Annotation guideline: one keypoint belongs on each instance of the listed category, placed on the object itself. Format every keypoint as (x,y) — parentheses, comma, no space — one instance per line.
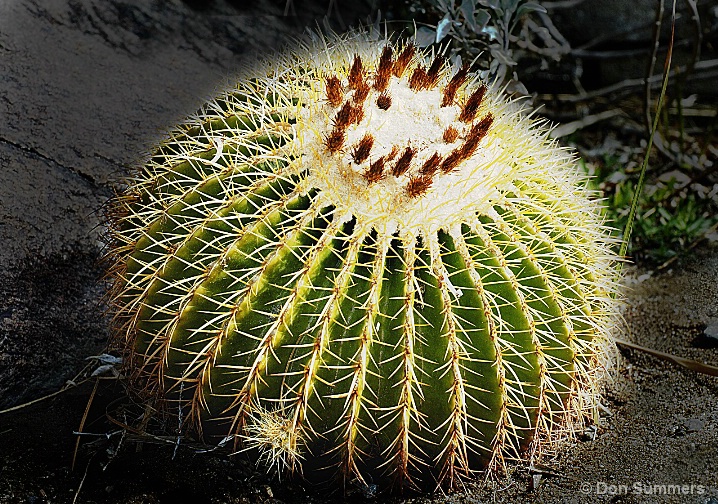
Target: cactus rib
(361,264)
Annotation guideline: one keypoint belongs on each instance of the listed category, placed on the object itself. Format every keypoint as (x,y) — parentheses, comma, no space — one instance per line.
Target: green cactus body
(360,263)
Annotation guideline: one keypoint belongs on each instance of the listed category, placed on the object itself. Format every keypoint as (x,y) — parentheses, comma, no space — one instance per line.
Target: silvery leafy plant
(499,30)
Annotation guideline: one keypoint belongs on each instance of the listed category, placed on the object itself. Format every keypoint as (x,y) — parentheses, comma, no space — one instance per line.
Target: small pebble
(712,330)
(693,424)
(535,481)
(590,433)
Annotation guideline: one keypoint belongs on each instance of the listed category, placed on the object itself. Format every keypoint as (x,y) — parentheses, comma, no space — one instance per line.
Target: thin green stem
(644,164)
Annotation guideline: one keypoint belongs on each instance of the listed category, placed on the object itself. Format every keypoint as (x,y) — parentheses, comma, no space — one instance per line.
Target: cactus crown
(383,132)
(361,263)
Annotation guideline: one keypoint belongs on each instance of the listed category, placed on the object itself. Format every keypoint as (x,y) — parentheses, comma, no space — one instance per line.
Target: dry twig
(690,364)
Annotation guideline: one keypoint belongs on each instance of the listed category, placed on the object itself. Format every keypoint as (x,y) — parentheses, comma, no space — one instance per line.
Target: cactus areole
(362,264)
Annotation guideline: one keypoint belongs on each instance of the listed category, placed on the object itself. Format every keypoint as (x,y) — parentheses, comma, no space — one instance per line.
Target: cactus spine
(361,263)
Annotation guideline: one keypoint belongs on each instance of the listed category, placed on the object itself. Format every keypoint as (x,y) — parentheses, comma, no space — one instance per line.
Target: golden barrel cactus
(361,263)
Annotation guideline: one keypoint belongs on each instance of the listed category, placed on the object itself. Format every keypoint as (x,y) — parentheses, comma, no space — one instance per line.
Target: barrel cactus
(364,263)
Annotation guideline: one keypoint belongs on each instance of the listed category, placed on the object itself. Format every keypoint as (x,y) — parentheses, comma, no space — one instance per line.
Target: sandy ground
(86,88)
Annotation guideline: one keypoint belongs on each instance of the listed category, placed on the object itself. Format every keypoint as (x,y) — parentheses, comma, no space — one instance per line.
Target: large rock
(87,87)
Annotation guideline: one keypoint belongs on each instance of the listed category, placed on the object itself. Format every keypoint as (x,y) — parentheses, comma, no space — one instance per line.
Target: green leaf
(467,11)
(530,7)
(481,19)
(442,29)
(424,36)
(509,5)
(503,56)
(494,5)
(491,31)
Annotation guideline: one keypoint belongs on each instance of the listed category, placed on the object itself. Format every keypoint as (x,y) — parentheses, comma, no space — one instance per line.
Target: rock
(589,434)
(87,87)
(535,481)
(709,337)
(712,329)
(693,424)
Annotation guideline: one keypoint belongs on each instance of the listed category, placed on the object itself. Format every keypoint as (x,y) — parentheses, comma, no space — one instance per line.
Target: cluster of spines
(351,112)
(153,222)
(526,232)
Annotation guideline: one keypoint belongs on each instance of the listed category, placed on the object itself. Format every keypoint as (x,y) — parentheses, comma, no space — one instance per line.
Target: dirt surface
(86,88)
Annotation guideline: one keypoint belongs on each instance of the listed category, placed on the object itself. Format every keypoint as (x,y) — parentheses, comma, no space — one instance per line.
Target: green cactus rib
(290,278)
